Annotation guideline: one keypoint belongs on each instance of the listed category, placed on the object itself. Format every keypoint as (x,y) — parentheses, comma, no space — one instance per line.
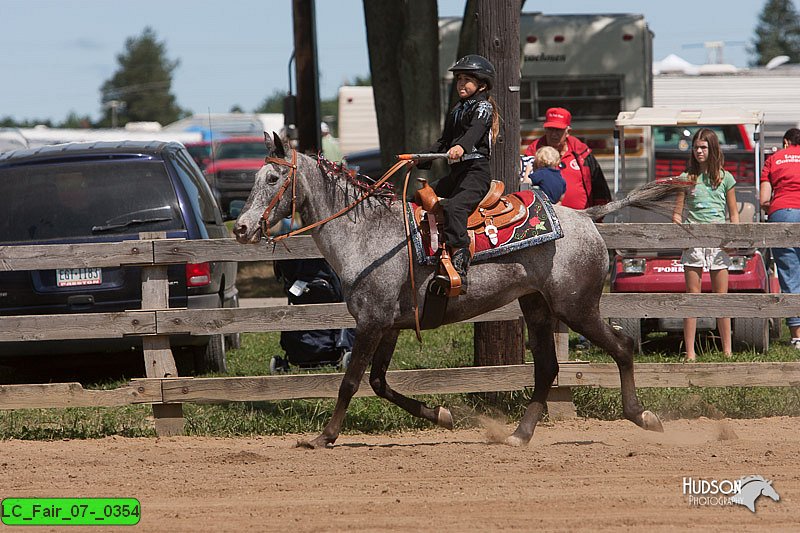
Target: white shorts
(710,258)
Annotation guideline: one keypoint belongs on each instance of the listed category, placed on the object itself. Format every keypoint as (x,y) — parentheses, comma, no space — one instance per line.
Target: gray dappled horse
(558,280)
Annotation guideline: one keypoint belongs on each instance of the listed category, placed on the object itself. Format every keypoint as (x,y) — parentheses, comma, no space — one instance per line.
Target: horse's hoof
(315,444)
(651,422)
(444,418)
(514,441)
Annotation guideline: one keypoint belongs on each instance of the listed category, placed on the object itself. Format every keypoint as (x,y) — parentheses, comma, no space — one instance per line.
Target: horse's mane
(655,196)
(353,185)
(748,479)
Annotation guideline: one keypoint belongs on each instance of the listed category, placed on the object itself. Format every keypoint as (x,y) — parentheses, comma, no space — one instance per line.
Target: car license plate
(70,277)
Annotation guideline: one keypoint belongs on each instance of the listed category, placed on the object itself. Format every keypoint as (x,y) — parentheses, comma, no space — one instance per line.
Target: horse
(752,488)
(367,247)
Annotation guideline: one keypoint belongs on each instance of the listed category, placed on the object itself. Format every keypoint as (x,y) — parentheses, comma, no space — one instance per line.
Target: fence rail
(156,322)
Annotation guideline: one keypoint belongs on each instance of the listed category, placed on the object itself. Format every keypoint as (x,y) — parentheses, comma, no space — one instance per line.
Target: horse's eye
(272,179)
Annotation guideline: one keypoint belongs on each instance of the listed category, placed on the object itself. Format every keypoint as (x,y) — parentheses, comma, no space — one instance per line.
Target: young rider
(469,132)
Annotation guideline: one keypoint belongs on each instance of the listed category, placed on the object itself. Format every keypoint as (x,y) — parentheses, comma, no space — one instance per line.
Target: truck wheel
(751,333)
(632,327)
(211,357)
(775,327)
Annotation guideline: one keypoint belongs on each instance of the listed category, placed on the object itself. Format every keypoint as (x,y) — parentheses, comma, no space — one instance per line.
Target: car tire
(632,327)
(211,357)
(751,333)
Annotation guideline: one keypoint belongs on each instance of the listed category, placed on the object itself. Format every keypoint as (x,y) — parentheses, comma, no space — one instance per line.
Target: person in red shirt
(780,198)
(586,184)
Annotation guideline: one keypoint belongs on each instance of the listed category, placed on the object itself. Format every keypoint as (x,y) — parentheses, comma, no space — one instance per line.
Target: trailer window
(586,98)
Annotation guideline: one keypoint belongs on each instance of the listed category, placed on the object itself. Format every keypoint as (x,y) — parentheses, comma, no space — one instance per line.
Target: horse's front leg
(366,341)
(377,379)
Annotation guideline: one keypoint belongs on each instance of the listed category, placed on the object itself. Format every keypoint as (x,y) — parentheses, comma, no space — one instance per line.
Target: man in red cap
(578,166)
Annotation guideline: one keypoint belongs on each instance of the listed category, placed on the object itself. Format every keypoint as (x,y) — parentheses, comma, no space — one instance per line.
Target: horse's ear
(280,151)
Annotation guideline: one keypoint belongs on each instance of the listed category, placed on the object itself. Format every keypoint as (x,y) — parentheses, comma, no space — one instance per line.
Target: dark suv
(110,192)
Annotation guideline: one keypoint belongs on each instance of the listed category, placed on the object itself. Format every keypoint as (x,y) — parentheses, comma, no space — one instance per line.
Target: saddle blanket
(541,225)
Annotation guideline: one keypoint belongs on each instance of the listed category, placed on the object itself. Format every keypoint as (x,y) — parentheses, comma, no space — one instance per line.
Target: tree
(140,88)
(74,120)
(272,103)
(497,33)
(777,33)
(403,41)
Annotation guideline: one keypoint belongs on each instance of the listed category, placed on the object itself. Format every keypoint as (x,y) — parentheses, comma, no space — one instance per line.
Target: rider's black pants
(462,190)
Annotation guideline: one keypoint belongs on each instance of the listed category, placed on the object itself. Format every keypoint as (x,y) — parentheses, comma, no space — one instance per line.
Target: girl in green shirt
(707,201)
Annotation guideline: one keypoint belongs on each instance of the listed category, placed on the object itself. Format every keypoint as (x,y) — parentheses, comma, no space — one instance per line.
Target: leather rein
(291,180)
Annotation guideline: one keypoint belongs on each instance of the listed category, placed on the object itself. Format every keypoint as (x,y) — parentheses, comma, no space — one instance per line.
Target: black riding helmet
(477,66)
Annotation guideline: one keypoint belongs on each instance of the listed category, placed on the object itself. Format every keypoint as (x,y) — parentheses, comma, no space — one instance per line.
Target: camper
(594,65)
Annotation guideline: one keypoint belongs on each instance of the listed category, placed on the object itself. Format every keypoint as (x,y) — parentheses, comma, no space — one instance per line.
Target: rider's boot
(461,259)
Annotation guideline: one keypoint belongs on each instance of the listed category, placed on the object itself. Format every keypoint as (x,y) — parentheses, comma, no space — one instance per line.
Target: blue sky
(57,53)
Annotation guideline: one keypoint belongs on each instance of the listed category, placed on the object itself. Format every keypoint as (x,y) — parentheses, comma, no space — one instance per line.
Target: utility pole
(305,53)
(501,343)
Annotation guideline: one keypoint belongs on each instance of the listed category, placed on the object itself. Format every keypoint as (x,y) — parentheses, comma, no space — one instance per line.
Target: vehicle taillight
(198,274)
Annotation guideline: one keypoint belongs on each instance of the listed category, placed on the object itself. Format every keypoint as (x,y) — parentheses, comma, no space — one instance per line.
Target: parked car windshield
(241,150)
(67,200)
(680,137)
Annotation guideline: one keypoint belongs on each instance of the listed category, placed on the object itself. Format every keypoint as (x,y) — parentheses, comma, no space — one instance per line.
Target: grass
(449,346)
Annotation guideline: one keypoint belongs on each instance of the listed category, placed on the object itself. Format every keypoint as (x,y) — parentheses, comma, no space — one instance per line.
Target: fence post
(158,360)
(559,401)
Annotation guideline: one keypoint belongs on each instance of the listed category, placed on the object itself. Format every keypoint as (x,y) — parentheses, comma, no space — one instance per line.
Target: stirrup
(447,276)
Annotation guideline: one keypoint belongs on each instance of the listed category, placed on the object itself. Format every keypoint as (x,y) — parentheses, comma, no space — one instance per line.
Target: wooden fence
(166,391)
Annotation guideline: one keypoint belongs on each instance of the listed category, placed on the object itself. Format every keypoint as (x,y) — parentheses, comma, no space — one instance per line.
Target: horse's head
(768,490)
(271,197)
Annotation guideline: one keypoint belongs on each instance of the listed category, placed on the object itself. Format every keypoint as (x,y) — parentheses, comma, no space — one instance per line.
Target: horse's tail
(645,196)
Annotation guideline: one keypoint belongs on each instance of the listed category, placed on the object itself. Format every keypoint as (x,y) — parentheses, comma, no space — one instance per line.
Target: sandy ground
(575,475)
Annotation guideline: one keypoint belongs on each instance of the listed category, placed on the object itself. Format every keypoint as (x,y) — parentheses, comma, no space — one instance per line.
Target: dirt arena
(581,474)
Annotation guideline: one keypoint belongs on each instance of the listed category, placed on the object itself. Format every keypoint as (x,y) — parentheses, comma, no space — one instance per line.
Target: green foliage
(140,88)
(777,33)
(272,103)
(74,120)
(9,122)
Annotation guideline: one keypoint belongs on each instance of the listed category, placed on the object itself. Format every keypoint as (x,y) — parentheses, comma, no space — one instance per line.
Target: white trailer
(773,91)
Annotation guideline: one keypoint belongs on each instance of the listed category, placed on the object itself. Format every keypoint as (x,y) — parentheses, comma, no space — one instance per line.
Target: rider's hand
(455,153)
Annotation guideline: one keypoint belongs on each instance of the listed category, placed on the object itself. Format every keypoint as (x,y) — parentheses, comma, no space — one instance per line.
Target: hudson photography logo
(724,492)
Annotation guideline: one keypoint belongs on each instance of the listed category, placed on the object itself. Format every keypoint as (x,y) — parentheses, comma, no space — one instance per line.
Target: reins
(405,160)
(292,178)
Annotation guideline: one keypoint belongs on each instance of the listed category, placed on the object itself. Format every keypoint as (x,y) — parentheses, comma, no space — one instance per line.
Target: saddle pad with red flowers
(541,225)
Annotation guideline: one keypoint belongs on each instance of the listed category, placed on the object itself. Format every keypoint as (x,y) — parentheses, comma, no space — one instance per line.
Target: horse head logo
(752,488)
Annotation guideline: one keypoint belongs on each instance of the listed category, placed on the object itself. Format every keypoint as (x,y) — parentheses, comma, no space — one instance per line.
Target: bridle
(291,179)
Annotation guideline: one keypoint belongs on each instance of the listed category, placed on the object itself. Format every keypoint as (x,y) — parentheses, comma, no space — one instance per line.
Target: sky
(58,53)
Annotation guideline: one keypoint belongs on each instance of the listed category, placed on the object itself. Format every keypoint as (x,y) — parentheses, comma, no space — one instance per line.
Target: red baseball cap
(557,117)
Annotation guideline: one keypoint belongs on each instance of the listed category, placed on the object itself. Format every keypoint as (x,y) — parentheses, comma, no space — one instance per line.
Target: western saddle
(495,211)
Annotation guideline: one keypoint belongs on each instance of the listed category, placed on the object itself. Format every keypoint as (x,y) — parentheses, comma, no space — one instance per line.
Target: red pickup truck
(232,169)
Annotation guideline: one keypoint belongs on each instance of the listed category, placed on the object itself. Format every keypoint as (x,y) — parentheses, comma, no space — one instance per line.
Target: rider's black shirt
(469,124)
